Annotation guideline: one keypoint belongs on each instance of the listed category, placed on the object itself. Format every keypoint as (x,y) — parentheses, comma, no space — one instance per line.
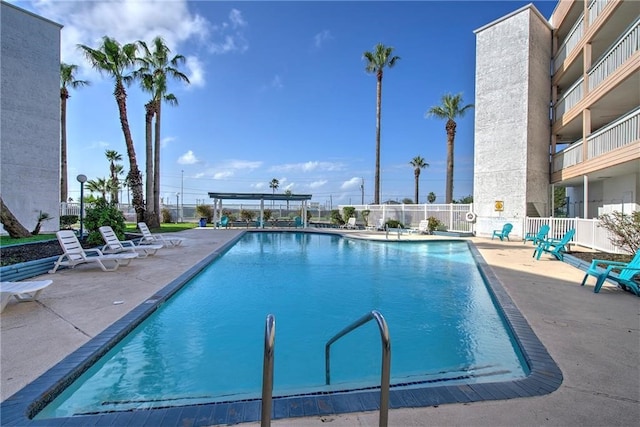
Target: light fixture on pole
(81,179)
(177,207)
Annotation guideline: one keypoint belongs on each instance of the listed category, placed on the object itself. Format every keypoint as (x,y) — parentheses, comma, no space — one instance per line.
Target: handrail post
(267,370)
(385,380)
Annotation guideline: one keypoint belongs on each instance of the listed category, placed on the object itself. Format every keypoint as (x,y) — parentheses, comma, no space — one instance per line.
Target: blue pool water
(206,343)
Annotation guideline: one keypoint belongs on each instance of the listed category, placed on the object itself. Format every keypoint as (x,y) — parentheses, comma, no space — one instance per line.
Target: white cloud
(164,142)
(230,35)
(318,184)
(223,175)
(276,82)
(321,37)
(310,166)
(188,158)
(352,183)
(97,144)
(195,71)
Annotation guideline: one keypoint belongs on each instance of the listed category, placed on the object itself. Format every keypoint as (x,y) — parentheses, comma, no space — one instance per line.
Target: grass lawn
(6,240)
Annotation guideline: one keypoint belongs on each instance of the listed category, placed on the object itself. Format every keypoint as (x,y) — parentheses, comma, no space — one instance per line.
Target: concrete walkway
(594,338)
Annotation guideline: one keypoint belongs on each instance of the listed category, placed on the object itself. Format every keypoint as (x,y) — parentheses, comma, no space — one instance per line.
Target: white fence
(589,233)
(452,216)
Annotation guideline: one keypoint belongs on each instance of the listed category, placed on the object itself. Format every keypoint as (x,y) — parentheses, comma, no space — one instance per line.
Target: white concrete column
(585,196)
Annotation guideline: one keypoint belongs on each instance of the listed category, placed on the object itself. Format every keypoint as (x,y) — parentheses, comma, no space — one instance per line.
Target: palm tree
(450,109)
(98,185)
(114,60)
(114,183)
(418,163)
(67,80)
(274,184)
(288,193)
(379,58)
(431,197)
(157,67)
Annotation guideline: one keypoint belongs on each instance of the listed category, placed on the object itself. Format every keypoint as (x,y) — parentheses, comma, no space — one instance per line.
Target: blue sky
(279,90)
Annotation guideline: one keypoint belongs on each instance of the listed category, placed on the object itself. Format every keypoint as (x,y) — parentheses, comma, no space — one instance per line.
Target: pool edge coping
(544,376)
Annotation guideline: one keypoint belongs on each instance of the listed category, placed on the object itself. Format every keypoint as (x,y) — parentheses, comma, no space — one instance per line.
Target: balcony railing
(569,99)
(595,7)
(617,134)
(572,40)
(623,49)
(572,155)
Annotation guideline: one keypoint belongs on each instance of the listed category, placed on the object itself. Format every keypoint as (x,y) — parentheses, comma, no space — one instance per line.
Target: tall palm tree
(288,193)
(450,110)
(418,163)
(157,67)
(67,80)
(431,197)
(114,183)
(273,185)
(116,61)
(380,57)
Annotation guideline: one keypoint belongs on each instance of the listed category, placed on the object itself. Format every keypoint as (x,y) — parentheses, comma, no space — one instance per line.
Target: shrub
(433,224)
(267,213)
(205,211)
(336,218)
(394,223)
(348,212)
(166,215)
(103,213)
(66,221)
(365,216)
(247,215)
(625,229)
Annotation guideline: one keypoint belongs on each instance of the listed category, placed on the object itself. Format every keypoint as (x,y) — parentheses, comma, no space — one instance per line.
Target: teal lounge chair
(224,222)
(624,278)
(539,236)
(554,247)
(504,233)
(297,222)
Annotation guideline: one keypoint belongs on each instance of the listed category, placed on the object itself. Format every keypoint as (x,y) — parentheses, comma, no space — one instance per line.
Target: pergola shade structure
(219,197)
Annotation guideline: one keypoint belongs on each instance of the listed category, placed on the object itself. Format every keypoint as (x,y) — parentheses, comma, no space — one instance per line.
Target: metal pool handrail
(267,370)
(386,359)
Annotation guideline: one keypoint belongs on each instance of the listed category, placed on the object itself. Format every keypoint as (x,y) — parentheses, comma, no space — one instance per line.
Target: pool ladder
(267,373)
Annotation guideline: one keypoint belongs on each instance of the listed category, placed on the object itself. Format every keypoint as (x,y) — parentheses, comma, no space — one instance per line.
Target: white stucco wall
(512,128)
(29,116)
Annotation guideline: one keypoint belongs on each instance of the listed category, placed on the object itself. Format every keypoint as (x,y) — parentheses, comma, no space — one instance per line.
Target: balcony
(622,50)
(595,7)
(569,99)
(572,40)
(617,134)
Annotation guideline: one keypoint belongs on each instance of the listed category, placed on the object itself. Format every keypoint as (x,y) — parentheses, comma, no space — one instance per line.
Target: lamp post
(81,179)
(177,207)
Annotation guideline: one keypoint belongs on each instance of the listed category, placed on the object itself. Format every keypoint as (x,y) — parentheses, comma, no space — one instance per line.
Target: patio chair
(114,245)
(74,254)
(539,236)
(504,233)
(423,228)
(624,277)
(22,291)
(157,239)
(554,247)
(224,222)
(350,224)
(297,222)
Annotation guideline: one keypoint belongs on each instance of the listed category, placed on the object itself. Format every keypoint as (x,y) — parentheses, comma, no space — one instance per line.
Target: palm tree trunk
(451,135)
(417,183)
(156,163)
(11,223)
(148,121)
(134,179)
(63,146)
(376,196)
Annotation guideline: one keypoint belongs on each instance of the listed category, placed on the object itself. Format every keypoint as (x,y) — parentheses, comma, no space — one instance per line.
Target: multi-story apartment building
(29,116)
(558,105)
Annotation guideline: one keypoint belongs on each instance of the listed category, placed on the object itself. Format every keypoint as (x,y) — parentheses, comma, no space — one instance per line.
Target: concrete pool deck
(594,338)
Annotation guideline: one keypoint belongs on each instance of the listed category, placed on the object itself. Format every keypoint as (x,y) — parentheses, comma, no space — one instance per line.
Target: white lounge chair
(159,239)
(116,246)
(423,228)
(351,224)
(23,291)
(74,254)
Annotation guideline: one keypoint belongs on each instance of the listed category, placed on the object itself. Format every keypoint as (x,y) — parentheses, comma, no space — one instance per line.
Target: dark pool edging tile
(544,377)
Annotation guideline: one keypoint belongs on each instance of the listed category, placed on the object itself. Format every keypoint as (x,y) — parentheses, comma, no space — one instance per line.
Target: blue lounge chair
(624,278)
(297,222)
(539,236)
(504,233)
(554,247)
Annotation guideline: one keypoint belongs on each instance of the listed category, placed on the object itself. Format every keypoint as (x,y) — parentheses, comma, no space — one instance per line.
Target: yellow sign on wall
(499,205)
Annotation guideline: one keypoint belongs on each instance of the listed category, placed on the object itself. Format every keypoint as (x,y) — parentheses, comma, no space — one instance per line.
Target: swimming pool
(231,271)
